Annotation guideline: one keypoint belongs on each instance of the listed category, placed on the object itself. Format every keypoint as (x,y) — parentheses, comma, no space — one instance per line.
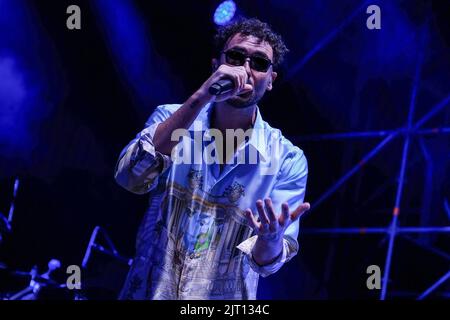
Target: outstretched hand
(271,226)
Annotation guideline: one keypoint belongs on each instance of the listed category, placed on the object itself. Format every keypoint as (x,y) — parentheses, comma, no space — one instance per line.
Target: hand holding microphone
(220,87)
(226,82)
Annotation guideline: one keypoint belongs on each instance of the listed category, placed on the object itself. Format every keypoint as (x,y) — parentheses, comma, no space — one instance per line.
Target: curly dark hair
(256,28)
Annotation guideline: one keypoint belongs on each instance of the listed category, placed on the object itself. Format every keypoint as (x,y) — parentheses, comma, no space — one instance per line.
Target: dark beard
(242,103)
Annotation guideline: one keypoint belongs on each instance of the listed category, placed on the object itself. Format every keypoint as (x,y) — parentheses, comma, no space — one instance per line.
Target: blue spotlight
(225,12)
(144,71)
(30,81)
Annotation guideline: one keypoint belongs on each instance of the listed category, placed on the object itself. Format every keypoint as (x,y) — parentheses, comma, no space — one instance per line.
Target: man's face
(260,81)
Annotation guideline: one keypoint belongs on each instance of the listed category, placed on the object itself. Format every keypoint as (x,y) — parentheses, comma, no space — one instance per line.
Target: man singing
(213,227)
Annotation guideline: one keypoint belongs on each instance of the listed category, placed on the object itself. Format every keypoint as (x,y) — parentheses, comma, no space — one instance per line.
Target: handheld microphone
(222,86)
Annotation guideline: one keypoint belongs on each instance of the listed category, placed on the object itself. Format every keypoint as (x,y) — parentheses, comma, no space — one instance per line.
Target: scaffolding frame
(410,131)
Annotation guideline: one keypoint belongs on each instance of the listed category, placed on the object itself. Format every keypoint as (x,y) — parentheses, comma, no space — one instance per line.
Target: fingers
(251,219)
(247,88)
(267,215)
(301,209)
(269,209)
(238,82)
(238,74)
(241,77)
(285,216)
(262,215)
(269,218)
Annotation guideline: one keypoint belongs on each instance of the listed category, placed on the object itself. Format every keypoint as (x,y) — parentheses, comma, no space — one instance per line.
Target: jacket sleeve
(139,164)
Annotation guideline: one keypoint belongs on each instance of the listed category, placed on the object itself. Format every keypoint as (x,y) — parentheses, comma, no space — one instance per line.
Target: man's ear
(214,64)
(271,81)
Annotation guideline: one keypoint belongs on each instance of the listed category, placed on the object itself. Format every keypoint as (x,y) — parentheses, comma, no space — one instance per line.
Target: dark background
(71,100)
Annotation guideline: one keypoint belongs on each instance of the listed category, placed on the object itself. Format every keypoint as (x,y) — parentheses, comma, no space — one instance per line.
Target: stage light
(125,31)
(225,12)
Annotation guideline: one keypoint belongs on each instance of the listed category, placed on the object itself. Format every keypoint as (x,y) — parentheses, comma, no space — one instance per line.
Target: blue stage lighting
(225,12)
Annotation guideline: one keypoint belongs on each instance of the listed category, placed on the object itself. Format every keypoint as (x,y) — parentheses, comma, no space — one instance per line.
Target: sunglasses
(238,58)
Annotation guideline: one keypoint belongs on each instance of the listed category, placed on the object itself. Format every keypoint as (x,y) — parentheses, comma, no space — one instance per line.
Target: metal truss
(408,132)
